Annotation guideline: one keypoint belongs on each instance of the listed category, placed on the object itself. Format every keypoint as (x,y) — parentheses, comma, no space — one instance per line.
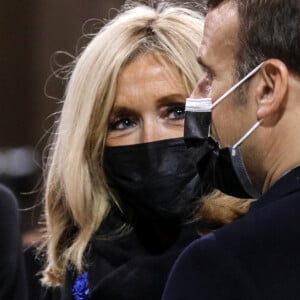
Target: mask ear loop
(250,131)
(236,85)
(246,135)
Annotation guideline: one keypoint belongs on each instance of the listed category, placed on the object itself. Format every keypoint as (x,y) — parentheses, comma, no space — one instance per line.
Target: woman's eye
(121,124)
(176,112)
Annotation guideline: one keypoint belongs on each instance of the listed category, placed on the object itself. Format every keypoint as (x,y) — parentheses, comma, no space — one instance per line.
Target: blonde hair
(77,198)
(219,209)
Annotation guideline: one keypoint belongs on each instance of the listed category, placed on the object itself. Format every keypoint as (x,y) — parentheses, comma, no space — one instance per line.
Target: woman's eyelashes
(174,111)
(122,123)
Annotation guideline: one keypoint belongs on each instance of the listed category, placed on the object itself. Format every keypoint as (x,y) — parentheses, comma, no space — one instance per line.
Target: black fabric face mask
(156,180)
(223,168)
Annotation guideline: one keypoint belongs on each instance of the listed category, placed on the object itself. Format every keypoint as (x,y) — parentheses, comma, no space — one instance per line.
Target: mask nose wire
(236,85)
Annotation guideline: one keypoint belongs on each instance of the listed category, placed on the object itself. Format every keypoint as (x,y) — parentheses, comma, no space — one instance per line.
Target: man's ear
(272,88)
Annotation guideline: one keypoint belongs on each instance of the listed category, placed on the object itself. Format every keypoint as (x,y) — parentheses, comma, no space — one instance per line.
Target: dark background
(31,32)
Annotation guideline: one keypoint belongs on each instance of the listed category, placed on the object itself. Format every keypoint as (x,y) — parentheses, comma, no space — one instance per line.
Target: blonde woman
(121,190)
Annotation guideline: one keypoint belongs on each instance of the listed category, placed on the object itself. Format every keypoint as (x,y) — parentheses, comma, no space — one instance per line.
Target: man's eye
(121,124)
(176,111)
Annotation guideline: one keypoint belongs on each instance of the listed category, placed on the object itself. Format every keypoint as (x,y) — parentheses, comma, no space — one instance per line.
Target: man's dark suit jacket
(12,278)
(256,257)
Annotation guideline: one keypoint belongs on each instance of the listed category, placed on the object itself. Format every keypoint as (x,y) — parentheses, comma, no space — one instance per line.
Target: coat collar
(287,184)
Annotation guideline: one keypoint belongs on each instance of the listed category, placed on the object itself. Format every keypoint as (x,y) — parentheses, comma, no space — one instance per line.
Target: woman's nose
(151,133)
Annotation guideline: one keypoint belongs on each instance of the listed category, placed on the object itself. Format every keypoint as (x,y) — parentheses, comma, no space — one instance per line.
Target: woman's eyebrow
(121,110)
(171,98)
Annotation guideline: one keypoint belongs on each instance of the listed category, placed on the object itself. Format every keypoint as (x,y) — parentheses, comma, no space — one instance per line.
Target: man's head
(238,36)
(267,29)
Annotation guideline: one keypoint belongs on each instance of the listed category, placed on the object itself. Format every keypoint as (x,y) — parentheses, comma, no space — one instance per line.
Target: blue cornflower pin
(81,287)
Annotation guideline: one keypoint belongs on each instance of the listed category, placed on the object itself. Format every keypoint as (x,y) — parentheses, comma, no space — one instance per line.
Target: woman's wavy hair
(77,197)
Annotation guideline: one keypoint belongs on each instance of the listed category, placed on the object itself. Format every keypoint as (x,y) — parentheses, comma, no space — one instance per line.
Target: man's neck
(289,160)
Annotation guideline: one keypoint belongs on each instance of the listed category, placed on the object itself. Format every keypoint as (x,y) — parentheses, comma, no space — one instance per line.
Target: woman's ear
(272,88)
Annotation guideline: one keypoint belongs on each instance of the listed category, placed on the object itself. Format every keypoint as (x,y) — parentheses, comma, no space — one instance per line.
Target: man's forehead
(220,29)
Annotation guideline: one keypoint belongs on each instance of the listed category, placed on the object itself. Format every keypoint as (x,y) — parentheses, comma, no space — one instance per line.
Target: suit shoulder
(208,268)
(201,252)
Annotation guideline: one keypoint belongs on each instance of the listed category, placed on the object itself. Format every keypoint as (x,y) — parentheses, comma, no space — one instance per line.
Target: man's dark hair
(268,29)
